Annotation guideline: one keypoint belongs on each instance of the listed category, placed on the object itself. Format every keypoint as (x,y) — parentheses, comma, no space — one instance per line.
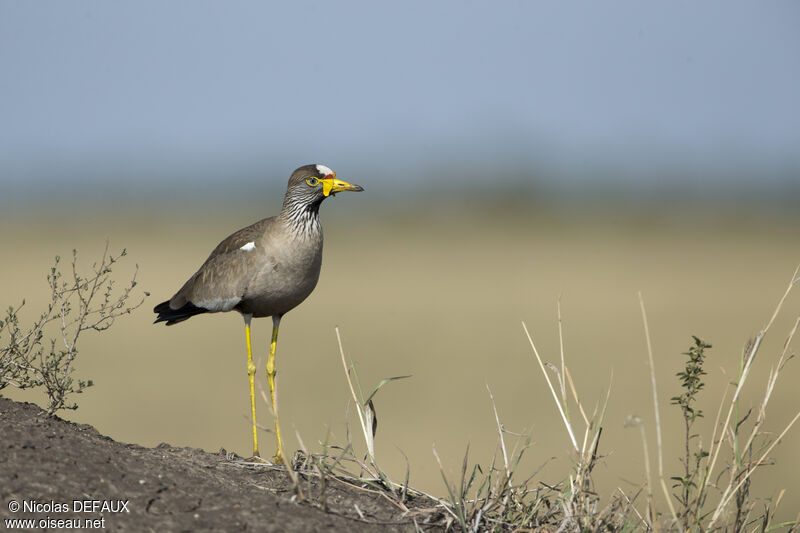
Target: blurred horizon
(531,98)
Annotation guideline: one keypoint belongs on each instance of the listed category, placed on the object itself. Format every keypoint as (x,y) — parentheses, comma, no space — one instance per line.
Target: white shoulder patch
(249,246)
(322,169)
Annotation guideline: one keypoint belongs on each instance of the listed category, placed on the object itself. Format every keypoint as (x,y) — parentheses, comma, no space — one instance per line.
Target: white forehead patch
(322,169)
(249,246)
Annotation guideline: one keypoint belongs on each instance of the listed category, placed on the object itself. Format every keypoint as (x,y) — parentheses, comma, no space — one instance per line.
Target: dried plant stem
(575,394)
(562,377)
(361,415)
(635,421)
(552,390)
(728,494)
(653,384)
(749,356)
(500,432)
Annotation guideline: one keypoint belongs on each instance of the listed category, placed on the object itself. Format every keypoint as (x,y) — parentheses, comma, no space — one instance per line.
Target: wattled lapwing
(266,269)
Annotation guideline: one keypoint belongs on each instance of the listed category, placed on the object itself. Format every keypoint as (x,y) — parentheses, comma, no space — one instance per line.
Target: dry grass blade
(657,414)
(668,498)
(635,421)
(368,420)
(456,509)
(562,380)
(653,385)
(552,390)
(575,395)
(366,428)
(500,432)
(748,359)
(724,501)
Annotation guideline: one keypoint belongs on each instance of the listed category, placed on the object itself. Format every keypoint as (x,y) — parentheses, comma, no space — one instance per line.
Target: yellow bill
(330,186)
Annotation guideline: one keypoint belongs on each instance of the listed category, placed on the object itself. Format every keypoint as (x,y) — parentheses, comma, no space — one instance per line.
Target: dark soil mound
(54,470)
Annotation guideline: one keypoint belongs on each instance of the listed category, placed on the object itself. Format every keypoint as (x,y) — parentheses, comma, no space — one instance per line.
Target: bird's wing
(222,281)
(237,240)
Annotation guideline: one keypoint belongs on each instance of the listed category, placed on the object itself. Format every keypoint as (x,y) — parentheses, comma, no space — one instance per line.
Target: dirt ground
(55,470)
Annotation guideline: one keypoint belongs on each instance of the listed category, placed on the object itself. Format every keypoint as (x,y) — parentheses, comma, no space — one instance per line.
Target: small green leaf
(381,384)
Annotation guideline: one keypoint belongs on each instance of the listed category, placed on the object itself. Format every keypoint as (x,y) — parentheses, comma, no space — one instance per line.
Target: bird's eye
(313,182)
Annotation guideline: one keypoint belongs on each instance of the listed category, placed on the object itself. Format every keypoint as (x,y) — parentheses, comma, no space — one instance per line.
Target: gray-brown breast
(264,269)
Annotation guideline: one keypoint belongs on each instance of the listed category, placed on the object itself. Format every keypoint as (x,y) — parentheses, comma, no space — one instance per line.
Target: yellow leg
(273,392)
(251,374)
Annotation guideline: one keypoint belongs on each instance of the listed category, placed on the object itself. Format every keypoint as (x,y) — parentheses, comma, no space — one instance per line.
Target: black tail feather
(173,316)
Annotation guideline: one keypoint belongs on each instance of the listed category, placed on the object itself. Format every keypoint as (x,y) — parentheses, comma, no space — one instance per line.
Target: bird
(263,270)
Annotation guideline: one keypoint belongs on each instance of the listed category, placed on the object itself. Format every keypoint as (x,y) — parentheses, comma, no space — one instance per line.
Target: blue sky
(142,93)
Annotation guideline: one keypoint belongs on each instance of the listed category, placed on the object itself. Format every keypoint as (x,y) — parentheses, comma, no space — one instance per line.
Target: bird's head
(314,183)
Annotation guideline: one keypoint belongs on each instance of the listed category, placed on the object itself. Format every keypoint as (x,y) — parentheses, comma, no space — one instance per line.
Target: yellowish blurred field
(440,297)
